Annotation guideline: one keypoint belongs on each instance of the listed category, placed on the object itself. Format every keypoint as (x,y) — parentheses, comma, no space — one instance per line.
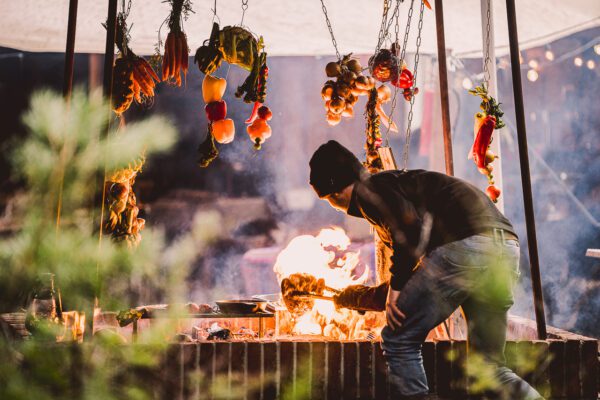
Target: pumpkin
(259,131)
(223,130)
(213,88)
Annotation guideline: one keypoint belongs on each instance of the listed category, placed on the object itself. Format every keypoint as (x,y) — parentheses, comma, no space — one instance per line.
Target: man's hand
(392,313)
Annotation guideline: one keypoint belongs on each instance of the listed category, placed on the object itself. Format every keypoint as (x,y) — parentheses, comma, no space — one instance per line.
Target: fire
(326,256)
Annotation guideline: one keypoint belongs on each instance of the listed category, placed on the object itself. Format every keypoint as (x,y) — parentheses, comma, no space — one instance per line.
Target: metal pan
(245,306)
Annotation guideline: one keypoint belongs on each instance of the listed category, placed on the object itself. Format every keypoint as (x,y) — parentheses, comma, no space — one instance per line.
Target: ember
(325,258)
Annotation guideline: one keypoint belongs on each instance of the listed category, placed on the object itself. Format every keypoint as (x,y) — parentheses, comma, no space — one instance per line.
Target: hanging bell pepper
(484,125)
(223,130)
(213,88)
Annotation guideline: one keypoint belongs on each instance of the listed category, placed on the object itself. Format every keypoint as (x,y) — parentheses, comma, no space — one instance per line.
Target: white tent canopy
(292,27)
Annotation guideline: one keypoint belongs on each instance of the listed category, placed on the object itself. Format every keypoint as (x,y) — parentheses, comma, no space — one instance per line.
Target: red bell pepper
(482,141)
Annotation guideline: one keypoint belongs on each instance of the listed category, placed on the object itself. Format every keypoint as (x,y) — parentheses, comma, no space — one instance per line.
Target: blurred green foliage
(64,157)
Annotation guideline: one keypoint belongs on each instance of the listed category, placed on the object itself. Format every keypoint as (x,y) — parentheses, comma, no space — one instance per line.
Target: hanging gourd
(238,46)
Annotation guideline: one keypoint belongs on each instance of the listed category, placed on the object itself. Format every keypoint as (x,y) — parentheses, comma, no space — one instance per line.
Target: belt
(500,235)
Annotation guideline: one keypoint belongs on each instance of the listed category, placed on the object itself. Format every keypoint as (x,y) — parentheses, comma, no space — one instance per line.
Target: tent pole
(109,52)
(538,298)
(444,97)
(70,50)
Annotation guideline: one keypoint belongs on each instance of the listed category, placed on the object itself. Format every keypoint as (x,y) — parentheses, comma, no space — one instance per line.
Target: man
(451,247)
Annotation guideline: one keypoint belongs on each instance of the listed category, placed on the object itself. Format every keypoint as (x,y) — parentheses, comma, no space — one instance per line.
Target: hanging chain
(337,52)
(486,61)
(401,61)
(244,8)
(214,10)
(126,9)
(383,30)
(393,18)
(412,99)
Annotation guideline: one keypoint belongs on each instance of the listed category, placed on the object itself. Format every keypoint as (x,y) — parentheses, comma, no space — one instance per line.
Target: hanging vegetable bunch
(175,59)
(122,221)
(341,95)
(237,46)
(373,133)
(386,66)
(133,77)
(488,119)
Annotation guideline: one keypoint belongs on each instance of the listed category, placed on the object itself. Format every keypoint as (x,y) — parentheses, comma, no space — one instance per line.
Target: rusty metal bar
(70,49)
(536,280)
(444,97)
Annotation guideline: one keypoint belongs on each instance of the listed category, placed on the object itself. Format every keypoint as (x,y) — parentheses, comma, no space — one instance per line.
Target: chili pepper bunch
(486,121)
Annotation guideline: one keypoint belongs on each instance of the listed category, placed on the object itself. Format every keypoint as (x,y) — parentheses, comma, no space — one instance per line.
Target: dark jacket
(416,211)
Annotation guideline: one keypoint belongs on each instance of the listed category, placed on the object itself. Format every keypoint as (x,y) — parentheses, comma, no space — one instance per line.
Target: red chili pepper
(482,141)
(254,113)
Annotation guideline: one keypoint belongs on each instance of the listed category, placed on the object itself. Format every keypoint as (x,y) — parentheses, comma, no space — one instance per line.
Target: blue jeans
(477,273)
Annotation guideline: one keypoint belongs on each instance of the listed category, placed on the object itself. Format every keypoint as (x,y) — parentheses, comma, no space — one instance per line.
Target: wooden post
(538,298)
(443,72)
(70,50)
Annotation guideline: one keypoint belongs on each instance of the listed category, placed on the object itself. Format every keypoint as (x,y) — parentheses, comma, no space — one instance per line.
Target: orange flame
(326,257)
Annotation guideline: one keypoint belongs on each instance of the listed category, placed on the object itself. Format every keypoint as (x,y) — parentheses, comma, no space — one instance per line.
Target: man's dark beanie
(332,168)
